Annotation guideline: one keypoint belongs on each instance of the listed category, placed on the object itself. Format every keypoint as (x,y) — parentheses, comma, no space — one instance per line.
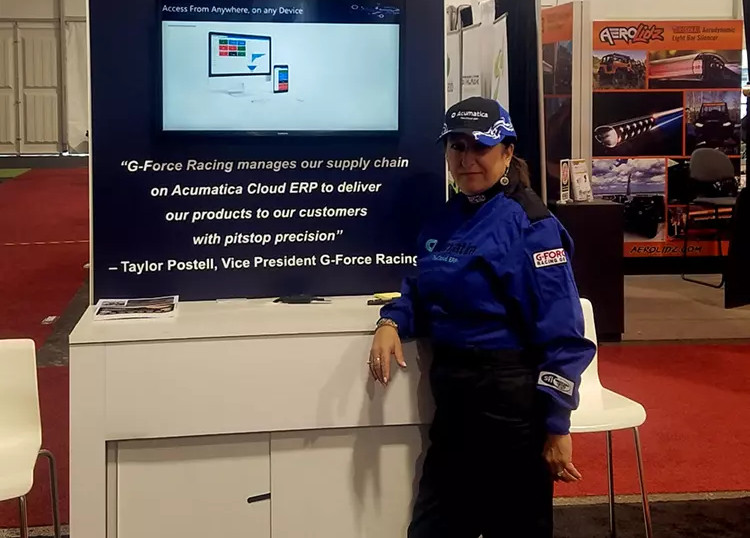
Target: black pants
(484,473)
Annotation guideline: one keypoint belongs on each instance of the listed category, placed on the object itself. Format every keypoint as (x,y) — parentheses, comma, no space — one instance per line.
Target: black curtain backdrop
(523,60)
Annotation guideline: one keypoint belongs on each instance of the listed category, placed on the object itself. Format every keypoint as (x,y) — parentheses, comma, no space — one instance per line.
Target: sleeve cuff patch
(554,381)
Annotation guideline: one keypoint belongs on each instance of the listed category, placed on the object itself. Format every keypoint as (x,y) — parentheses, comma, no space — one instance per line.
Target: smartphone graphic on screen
(280,78)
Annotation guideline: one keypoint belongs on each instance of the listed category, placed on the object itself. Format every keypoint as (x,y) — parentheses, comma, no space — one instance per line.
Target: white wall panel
(8,109)
(75,8)
(662,9)
(38,58)
(28,9)
(40,119)
(40,108)
(77,87)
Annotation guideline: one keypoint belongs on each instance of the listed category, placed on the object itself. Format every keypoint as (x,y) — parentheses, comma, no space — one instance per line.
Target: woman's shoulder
(526,206)
(519,212)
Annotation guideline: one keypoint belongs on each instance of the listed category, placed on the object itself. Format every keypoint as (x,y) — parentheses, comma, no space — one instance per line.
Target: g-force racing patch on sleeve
(548,258)
(557,382)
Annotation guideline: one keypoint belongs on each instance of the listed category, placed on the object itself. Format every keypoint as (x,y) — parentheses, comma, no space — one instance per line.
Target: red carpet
(696,437)
(45,205)
(43,248)
(36,282)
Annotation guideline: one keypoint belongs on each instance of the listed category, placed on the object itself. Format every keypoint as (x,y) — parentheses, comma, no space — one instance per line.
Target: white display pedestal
(242,418)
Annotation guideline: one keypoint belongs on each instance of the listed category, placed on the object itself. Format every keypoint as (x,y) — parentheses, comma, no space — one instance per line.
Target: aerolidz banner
(661,91)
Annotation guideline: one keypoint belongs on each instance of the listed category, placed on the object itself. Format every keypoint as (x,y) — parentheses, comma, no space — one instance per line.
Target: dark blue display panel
(230,204)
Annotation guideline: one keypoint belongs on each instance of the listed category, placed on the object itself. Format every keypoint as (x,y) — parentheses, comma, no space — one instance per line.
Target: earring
(505,180)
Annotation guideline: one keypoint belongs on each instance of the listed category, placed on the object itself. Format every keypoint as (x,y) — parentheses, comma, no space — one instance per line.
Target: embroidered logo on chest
(550,257)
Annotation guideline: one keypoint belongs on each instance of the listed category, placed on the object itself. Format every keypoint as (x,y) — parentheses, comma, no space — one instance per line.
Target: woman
(495,294)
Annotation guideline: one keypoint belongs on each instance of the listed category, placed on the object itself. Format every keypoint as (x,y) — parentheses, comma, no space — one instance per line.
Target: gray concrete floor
(54,352)
(722,518)
(665,307)
(726,518)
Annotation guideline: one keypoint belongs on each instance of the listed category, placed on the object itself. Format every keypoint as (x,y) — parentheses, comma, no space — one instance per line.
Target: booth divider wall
(43,68)
(649,10)
(300,165)
(598,257)
(563,40)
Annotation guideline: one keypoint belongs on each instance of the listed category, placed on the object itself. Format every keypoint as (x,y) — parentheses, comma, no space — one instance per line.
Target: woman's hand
(558,452)
(385,343)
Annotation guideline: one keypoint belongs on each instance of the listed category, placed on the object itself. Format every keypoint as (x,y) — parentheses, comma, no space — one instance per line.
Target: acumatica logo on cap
(463,114)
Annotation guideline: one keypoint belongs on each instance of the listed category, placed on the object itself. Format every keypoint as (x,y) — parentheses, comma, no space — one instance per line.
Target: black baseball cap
(483,119)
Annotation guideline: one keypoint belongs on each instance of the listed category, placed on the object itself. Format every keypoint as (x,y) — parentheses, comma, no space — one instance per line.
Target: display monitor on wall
(305,67)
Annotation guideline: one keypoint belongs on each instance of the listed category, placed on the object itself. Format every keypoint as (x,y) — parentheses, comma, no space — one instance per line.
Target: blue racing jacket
(494,272)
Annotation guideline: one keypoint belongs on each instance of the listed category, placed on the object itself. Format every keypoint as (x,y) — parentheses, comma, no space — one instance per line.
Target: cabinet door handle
(258,498)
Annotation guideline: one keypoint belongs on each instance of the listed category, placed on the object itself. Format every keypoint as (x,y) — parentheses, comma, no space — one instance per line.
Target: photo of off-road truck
(713,121)
(713,125)
(620,71)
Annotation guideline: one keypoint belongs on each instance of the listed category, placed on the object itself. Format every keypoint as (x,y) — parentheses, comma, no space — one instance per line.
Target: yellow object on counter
(388,296)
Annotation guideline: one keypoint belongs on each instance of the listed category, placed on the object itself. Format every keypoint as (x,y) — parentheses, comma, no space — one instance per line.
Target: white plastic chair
(21,429)
(601,410)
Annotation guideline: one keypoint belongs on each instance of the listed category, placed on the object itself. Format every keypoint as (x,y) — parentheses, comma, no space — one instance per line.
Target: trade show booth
(259,178)
(257,174)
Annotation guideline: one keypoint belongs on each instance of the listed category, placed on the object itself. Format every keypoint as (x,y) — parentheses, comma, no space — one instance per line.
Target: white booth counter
(242,418)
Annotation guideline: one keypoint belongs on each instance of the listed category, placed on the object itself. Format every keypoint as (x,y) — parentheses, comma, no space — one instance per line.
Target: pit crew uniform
(495,294)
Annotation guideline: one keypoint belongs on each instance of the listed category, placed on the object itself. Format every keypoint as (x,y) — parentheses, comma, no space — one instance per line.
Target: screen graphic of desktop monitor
(332,69)
(234,55)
